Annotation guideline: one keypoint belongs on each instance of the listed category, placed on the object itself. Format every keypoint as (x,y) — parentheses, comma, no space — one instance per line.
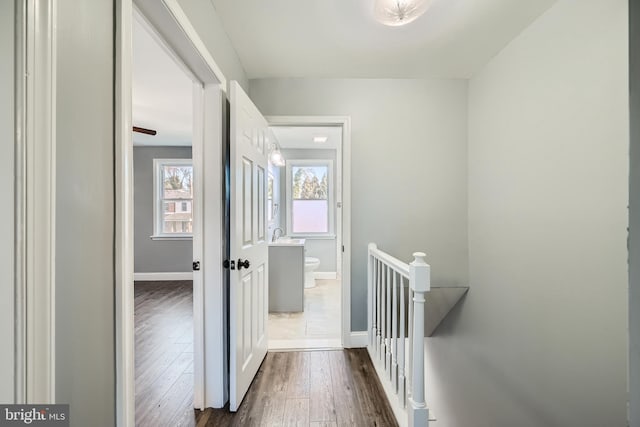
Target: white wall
(541,338)
(85,327)
(205,19)
(6,213)
(408,180)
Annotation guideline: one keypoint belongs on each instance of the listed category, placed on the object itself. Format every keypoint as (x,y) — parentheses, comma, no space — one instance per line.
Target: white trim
(124,277)
(20,371)
(35,201)
(331,210)
(358,339)
(162,276)
(197,207)
(173,236)
(343,225)
(325,275)
(172,25)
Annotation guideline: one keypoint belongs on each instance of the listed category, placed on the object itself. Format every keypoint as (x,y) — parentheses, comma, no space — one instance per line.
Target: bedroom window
(309,197)
(173,198)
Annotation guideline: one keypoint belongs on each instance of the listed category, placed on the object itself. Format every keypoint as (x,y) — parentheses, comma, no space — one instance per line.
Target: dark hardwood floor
(164,353)
(314,388)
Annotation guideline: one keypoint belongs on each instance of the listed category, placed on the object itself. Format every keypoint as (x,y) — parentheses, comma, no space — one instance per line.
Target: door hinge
(196,265)
(342,248)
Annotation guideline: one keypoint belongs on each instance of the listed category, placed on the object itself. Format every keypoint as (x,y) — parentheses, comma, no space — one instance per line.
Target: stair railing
(396,297)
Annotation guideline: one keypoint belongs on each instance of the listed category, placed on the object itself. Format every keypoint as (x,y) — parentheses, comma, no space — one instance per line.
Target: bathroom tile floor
(318,326)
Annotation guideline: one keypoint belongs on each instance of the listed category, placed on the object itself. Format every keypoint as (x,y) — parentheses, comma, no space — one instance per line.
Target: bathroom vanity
(286,275)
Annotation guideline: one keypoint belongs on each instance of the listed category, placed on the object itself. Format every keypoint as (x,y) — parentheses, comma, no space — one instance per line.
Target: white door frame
(174,28)
(343,226)
(35,145)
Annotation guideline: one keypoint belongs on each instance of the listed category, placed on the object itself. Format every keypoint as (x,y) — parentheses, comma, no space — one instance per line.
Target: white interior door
(249,290)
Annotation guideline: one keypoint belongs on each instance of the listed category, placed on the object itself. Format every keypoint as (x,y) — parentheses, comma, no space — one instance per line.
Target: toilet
(311,264)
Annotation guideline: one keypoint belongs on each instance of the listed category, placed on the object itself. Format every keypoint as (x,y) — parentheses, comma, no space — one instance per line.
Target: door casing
(173,27)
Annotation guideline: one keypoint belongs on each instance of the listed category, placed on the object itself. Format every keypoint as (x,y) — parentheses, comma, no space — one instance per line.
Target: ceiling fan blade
(145,131)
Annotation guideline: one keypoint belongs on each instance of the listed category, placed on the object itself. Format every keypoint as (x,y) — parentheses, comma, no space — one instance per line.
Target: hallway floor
(313,388)
(310,389)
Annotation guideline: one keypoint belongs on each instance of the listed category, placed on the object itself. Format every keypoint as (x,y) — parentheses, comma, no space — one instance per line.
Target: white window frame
(158,164)
(330,203)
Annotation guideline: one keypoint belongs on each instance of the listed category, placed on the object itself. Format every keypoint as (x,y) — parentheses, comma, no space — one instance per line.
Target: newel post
(420,283)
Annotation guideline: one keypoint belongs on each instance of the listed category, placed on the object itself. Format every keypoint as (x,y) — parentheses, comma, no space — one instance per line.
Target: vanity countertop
(287,241)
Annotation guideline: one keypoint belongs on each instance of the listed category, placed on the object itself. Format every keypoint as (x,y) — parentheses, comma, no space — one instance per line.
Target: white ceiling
(162,93)
(302,136)
(340,39)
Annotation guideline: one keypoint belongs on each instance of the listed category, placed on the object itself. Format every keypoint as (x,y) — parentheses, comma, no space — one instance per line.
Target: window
(173,198)
(309,197)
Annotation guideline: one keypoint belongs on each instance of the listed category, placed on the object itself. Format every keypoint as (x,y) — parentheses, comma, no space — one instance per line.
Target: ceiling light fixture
(399,12)
(320,139)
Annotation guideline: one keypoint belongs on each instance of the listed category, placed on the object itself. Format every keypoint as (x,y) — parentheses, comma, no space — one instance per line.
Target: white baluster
(420,282)
(371,295)
(394,334)
(389,315)
(410,342)
(383,313)
(401,360)
(378,308)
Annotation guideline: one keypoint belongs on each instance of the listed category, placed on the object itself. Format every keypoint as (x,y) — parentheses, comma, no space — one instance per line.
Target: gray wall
(541,339)
(85,368)
(6,213)
(155,256)
(205,19)
(634,216)
(418,127)
(323,249)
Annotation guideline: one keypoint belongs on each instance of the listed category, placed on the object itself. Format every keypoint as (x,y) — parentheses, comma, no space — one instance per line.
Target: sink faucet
(273,238)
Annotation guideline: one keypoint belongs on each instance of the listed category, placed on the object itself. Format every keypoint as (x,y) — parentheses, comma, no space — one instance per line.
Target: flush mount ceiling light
(320,139)
(399,12)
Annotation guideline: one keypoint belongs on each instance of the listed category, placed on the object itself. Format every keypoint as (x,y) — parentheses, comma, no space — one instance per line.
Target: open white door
(249,290)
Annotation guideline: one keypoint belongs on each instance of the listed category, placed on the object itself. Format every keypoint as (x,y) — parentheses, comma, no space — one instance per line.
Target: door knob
(243,264)
(231,265)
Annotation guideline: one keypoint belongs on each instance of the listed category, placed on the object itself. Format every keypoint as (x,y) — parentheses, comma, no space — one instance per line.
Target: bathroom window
(309,197)
(173,198)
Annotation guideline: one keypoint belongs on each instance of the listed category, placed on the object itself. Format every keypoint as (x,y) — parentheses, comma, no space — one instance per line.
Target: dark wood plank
(368,390)
(298,375)
(321,405)
(348,411)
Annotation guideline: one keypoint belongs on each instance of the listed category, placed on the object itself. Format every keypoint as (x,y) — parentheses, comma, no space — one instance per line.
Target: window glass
(175,198)
(310,199)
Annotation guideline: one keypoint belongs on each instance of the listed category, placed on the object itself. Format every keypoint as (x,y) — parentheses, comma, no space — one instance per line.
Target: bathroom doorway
(306,216)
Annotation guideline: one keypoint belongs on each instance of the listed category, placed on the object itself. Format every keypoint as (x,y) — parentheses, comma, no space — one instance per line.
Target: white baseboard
(358,339)
(325,275)
(157,277)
